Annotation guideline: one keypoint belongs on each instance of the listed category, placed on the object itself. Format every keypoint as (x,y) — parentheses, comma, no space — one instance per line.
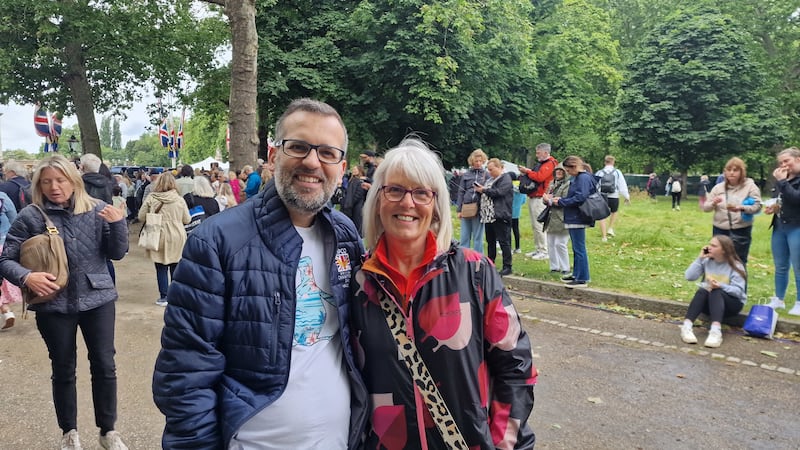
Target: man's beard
(297,200)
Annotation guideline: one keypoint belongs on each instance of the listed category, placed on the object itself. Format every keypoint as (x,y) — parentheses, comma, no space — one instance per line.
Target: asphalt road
(606,380)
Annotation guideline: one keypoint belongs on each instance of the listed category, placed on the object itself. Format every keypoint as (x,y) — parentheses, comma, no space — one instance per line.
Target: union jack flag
(40,122)
(179,141)
(163,132)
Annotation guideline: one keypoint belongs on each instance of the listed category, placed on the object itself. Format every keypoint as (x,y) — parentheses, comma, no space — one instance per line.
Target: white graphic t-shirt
(314,410)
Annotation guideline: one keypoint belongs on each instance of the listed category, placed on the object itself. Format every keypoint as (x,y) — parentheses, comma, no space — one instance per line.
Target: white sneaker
(540,256)
(611,232)
(714,338)
(516,250)
(776,303)
(531,254)
(71,441)
(687,335)
(162,302)
(112,441)
(795,311)
(604,239)
(8,320)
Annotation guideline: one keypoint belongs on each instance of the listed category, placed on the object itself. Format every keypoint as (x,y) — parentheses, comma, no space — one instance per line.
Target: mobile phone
(475,183)
(705,250)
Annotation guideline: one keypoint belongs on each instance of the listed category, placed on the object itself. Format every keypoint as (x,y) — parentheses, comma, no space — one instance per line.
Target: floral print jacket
(468,333)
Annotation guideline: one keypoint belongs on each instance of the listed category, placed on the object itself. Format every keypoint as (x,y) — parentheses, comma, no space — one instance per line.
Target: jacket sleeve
(754,192)
(622,185)
(510,364)
(501,188)
(584,186)
(21,229)
(189,366)
(695,270)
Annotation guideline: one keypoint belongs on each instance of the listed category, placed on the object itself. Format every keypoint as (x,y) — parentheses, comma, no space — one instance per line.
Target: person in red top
(451,303)
(542,175)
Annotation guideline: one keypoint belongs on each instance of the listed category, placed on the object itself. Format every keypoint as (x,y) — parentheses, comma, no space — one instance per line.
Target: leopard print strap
(422,378)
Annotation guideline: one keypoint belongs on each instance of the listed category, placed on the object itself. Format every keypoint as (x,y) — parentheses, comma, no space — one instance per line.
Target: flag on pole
(163,133)
(40,122)
(179,141)
(55,131)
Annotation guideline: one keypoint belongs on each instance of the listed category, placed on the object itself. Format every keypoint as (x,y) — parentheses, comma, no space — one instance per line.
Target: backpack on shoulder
(24,193)
(608,182)
(676,186)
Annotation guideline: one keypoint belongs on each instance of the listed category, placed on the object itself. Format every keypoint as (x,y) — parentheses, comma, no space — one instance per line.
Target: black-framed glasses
(327,154)
(420,196)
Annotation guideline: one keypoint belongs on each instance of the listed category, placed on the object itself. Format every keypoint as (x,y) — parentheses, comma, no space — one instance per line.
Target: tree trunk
(81,92)
(244,70)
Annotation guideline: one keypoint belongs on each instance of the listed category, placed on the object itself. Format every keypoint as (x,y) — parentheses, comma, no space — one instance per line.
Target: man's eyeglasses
(420,196)
(300,149)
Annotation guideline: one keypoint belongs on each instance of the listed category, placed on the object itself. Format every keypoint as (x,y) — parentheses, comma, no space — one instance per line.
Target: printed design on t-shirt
(314,307)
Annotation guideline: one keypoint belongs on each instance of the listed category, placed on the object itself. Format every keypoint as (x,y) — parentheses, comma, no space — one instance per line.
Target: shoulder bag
(44,253)
(422,378)
(595,206)
(150,236)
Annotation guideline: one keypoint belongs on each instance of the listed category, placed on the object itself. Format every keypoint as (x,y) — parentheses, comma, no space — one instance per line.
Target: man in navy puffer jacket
(255,347)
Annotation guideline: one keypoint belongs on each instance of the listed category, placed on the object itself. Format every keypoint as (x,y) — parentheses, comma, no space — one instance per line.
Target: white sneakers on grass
(776,303)
(795,311)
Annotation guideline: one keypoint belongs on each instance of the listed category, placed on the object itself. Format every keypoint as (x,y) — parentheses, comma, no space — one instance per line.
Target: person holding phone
(720,294)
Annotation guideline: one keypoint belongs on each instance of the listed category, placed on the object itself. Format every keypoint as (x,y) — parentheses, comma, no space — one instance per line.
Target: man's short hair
(544,147)
(369,153)
(310,106)
(90,163)
(17,168)
(610,160)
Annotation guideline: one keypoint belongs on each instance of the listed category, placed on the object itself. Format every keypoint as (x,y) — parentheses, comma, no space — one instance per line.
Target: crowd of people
(404,334)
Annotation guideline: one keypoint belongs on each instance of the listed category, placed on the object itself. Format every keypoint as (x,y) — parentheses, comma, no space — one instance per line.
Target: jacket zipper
(276,320)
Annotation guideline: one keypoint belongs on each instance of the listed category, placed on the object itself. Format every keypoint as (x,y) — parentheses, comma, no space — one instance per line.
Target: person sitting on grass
(722,291)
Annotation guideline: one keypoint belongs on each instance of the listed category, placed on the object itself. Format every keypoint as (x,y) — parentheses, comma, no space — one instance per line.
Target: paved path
(607,380)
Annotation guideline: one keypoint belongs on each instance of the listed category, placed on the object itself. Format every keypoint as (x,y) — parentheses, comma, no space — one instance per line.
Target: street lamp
(72,141)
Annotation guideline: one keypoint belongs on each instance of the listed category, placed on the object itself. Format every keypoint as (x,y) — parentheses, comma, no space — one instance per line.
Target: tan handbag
(150,236)
(44,253)
(469,210)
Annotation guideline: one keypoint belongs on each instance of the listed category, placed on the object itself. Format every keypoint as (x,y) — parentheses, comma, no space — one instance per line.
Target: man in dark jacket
(97,184)
(16,175)
(262,289)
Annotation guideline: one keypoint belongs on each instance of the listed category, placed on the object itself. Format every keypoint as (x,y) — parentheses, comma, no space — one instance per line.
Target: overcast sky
(17,132)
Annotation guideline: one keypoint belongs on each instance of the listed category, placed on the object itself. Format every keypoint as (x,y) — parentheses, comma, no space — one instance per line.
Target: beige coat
(174,214)
(734,195)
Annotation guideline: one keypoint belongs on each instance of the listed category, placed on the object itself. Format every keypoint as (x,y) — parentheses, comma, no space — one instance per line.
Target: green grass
(653,247)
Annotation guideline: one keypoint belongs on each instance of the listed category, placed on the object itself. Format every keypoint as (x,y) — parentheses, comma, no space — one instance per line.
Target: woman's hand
(781,173)
(713,284)
(41,283)
(111,214)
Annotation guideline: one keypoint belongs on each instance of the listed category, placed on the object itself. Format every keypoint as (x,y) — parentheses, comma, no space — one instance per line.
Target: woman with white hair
(201,202)
(418,286)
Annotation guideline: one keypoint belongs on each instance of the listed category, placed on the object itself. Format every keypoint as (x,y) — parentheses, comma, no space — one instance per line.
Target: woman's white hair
(413,159)
(202,187)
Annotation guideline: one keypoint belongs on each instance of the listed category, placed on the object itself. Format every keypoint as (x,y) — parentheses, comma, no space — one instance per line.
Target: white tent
(206,164)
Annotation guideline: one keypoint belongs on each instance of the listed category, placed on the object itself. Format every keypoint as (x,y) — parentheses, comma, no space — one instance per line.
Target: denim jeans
(472,230)
(59,332)
(785,253)
(580,259)
(163,278)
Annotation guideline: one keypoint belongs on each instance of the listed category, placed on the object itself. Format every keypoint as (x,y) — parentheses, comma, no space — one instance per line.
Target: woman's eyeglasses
(420,196)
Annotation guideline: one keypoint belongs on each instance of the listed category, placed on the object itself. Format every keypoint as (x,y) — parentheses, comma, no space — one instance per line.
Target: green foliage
(116,137)
(578,80)
(105,131)
(693,94)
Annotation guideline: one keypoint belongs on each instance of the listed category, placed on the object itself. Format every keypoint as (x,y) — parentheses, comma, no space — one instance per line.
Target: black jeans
(499,230)
(59,332)
(515,231)
(716,303)
(741,238)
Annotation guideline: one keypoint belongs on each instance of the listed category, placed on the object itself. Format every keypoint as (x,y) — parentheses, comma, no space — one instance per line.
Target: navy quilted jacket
(227,338)
(89,241)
